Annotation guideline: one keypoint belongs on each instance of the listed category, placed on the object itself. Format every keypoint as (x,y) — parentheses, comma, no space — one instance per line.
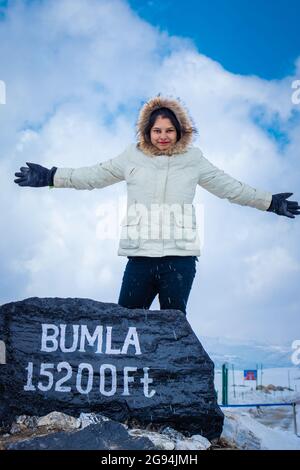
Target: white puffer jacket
(161,186)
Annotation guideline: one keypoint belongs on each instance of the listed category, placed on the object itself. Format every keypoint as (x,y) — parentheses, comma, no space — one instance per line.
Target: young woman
(159,233)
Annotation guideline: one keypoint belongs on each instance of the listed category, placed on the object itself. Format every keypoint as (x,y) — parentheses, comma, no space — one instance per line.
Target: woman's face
(163,134)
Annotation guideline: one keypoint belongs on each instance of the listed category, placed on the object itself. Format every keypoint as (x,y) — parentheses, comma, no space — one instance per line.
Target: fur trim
(180,111)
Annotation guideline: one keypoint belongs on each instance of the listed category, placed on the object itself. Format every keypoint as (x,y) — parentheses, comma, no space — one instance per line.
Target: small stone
(172,433)
(160,441)
(86,419)
(27,422)
(59,421)
(195,442)
(16,429)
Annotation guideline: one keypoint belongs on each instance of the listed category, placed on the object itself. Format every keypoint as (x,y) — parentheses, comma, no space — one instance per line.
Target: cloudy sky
(76,74)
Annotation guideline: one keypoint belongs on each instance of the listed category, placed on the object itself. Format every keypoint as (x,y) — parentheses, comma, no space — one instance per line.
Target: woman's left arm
(225,186)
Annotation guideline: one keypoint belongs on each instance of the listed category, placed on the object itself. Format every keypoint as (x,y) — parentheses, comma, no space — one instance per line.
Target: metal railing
(258,405)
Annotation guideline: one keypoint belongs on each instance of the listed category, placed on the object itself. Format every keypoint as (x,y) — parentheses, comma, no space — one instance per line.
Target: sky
(248,37)
(76,74)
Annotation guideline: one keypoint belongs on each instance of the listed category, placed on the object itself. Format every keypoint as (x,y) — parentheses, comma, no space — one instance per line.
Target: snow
(271,427)
(270,439)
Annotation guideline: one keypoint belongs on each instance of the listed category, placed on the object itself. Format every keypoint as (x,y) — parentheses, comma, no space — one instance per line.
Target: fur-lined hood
(188,129)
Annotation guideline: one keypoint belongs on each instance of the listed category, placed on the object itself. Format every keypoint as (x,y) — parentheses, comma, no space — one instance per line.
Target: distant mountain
(246,354)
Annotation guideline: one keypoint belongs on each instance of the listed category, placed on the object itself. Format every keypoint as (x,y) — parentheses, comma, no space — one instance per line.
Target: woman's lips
(164,143)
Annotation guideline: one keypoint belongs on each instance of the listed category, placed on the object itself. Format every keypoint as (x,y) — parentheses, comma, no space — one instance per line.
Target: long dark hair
(165,113)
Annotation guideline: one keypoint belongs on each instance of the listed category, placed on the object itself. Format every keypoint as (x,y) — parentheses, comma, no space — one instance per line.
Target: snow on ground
(273,426)
(247,433)
(282,376)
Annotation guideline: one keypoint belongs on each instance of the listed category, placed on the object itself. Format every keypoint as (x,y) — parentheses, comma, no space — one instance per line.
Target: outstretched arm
(223,185)
(219,183)
(89,177)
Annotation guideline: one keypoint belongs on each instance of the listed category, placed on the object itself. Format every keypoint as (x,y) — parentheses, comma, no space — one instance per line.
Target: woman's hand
(280,206)
(35,176)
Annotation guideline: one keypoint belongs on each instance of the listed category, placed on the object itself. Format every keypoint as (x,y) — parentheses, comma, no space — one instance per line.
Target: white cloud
(75,83)
(269,270)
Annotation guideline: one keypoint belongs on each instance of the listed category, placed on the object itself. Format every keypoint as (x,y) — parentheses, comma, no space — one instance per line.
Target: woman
(159,233)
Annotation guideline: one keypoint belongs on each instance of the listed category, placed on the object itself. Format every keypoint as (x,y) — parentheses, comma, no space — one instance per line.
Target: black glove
(280,206)
(35,176)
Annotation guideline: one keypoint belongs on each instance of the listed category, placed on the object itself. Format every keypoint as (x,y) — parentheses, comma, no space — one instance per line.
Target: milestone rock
(76,355)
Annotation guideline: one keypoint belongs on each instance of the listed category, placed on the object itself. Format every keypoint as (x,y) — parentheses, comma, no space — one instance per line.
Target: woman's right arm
(89,177)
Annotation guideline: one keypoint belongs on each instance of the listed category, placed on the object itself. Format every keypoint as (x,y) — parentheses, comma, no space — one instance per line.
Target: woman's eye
(157,131)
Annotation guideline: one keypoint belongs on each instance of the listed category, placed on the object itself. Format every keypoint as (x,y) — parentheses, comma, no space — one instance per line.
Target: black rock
(102,436)
(72,355)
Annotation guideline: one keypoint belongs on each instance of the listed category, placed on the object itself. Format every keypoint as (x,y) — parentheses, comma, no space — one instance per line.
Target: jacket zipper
(164,197)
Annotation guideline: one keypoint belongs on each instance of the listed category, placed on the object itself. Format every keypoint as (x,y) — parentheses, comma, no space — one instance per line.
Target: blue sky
(259,37)
(75,83)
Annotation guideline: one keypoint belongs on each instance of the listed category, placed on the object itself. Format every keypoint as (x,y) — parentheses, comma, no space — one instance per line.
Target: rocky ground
(92,431)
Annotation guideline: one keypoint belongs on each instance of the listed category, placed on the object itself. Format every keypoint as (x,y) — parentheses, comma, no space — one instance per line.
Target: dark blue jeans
(171,277)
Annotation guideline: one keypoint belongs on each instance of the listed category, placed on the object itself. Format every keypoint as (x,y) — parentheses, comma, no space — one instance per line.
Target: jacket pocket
(130,233)
(185,234)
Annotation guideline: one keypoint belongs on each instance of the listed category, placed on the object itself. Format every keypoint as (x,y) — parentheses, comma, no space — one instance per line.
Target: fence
(258,405)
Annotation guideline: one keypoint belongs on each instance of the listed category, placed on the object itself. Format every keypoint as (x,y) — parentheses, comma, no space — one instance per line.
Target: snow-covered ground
(274,426)
(281,376)
(241,429)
